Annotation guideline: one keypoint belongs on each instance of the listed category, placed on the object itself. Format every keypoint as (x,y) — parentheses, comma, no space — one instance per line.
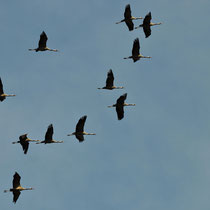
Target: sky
(157,157)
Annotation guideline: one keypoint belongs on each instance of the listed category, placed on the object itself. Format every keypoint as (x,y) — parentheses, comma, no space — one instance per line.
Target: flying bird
(24,141)
(135,52)
(147,25)
(43,44)
(128,18)
(2,94)
(17,188)
(49,136)
(79,132)
(110,82)
(120,106)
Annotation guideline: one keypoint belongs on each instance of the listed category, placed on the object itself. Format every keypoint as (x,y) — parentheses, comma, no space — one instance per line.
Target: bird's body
(17,188)
(147,25)
(110,82)
(120,106)
(2,94)
(43,44)
(24,141)
(49,136)
(136,52)
(128,18)
(79,132)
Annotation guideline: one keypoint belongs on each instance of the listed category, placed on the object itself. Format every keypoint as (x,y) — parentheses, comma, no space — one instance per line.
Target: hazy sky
(157,157)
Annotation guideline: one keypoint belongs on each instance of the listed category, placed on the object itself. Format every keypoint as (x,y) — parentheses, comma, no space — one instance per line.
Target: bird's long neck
(15,142)
(154,24)
(6,191)
(71,134)
(114,105)
(139,26)
(32,49)
(40,142)
(120,21)
(129,104)
(128,57)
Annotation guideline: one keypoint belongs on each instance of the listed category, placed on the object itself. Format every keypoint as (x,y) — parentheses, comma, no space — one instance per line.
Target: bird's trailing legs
(132,18)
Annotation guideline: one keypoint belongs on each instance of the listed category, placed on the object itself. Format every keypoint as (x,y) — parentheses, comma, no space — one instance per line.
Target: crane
(110,82)
(147,25)
(135,52)
(79,131)
(120,106)
(43,44)
(24,141)
(49,136)
(17,188)
(2,94)
(128,18)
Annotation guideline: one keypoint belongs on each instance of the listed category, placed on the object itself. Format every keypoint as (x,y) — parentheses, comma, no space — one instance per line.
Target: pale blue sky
(157,157)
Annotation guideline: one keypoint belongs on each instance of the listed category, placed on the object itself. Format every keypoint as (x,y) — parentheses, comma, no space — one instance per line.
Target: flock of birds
(79,131)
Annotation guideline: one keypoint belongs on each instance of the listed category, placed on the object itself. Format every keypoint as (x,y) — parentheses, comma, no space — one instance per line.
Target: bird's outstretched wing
(16,180)
(122,99)
(80,124)
(80,137)
(1,87)
(136,47)
(49,133)
(23,137)
(25,146)
(146,25)
(147,30)
(16,195)
(127,13)
(147,19)
(24,143)
(120,111)
(43,40)
(130,24)
(110,79)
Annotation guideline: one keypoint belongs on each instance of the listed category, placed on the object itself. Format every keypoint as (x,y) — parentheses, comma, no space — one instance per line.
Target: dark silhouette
(2,94)
(79,132)
(49,136)
(17,188)
(110,82)
(24,141)
(135,52)
(128,18)
(43,44)
(147,25)
(120,106)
